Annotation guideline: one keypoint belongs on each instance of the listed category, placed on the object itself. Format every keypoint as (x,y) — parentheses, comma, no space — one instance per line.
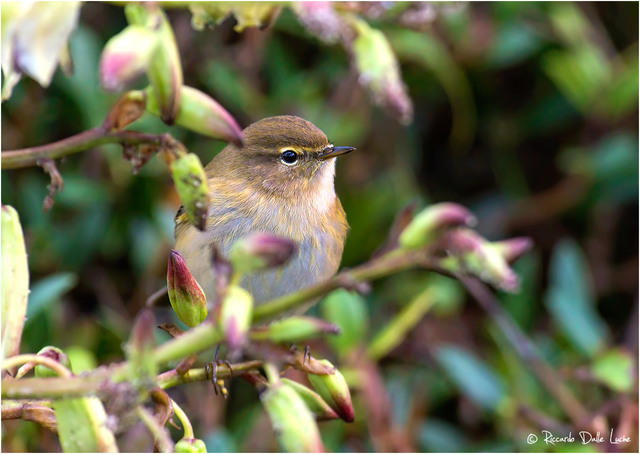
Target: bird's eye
(289,157)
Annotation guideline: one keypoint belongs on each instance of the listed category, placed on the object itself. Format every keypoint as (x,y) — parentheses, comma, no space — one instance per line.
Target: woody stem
(26,157)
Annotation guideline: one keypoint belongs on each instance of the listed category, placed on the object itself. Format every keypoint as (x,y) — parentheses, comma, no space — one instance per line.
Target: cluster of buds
(148,46)
(443,226)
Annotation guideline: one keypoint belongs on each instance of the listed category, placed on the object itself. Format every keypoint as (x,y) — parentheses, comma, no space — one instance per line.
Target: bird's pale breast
(320,237)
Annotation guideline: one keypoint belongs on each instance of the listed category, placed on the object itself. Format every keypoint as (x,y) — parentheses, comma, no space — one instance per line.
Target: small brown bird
(280,181)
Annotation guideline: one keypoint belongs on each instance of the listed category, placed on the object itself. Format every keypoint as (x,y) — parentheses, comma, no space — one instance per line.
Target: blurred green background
(527,113)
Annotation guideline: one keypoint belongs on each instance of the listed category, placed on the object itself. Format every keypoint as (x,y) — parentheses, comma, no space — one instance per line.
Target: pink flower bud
(431,222)
(260,250)
(235,316)
(334,390)
(126,56)
(471,253)
(513,248)
(185,294)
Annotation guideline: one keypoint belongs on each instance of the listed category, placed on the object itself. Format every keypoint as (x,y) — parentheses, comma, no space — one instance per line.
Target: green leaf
(49,290)
(348,311)
(441,436)
(473,377)
(15,281)
(515,42)
(570,299)
(614,369)
(82,426)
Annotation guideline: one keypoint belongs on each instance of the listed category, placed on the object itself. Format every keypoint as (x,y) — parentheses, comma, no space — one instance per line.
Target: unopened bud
(260,250)
(295,329)
(513,248)
(199,112)
(379,70)
(291,419)
(334,390)
(431,222)
(471,253)
(55,354)
(190,445)
(185,294)
(319,408)
(126,56)
(164,70)
(235,316)
(191,185)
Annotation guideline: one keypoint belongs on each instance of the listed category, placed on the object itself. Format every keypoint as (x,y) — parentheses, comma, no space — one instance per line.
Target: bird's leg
(307,352)
(211,370)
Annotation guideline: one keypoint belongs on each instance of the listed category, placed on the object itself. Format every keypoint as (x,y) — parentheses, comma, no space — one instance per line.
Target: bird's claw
(211,369)
(307,353)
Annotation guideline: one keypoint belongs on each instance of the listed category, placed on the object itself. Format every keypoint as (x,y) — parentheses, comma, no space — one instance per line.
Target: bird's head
(285,153)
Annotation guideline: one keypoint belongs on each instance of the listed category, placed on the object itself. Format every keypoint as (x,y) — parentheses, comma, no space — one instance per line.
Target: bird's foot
(211,369)
(307,352)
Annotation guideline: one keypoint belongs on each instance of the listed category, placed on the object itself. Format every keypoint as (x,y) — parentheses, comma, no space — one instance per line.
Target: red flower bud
(185,294)
(334,390)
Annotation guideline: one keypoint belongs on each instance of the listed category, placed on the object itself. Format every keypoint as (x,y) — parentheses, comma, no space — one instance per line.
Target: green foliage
(526,113)
(570,299)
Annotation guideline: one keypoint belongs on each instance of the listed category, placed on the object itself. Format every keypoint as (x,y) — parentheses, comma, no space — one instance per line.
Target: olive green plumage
(280,181)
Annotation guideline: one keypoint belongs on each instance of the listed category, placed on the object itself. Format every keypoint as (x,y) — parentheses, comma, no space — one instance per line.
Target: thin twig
(384,265)
(529,354)
(52,364)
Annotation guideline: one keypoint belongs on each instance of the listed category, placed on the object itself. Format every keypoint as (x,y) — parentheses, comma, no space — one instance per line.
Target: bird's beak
(334,152)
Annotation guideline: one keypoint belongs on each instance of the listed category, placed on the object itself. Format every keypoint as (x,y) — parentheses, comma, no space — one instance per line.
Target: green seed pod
(185,294)
(430,223)
(295,329)
(334,390)
(320,409)
(235,316)
(57,355)
(190,445)
(201,113)
(291,419)
(191,185)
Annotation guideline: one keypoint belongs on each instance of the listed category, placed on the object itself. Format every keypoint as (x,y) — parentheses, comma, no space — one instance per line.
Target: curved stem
(26,157)
(52,364)
(184,420)
(160,435)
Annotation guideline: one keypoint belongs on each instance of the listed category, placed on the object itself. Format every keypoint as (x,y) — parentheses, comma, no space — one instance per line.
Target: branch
(30,411)
(389,263)
(26,157)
